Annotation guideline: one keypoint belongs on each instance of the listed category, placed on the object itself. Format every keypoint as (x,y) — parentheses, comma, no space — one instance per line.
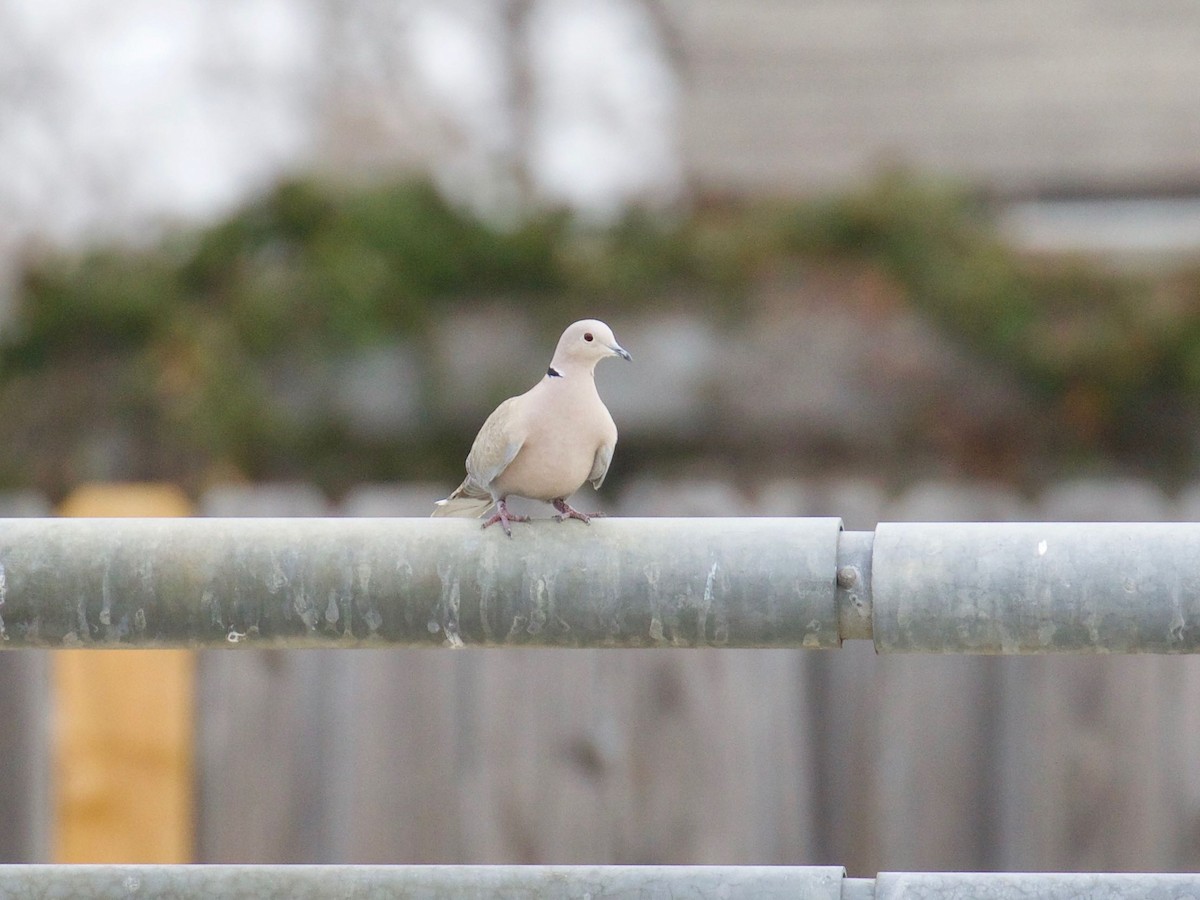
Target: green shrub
(185,331)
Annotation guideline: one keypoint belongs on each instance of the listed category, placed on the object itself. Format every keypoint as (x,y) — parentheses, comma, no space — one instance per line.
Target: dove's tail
(466,502)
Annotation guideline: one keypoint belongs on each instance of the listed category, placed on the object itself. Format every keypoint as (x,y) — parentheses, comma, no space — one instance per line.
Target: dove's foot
(503,516)
(566,512)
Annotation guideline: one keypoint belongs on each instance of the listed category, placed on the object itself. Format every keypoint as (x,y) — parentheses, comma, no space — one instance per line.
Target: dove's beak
(621,352)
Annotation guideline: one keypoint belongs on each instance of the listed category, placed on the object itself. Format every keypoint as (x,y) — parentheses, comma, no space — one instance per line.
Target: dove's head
(585,343)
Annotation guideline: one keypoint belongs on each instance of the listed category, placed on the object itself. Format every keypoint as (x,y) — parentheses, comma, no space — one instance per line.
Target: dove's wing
(496,446)
(498,442)
(604,455)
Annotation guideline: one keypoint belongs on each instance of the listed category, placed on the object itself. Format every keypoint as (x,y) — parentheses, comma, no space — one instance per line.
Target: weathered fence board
(24,757)
(574,756)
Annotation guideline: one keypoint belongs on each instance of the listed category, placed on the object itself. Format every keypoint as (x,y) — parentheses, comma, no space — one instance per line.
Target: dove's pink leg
(566,512)
(503,516)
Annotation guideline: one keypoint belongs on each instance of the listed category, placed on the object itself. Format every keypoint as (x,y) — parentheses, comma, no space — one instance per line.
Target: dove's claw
(566,512)
(503,516)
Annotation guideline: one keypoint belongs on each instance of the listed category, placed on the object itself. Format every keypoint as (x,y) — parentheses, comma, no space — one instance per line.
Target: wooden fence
(662,756)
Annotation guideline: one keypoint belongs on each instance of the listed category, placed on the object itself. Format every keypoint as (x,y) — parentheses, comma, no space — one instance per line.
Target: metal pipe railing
(1036,587)
(248,882)
(937,588)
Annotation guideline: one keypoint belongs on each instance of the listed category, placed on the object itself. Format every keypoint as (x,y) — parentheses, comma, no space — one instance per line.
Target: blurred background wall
(934,262)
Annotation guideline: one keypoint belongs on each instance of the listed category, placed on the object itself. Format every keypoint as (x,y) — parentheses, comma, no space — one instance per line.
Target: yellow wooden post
(123,727)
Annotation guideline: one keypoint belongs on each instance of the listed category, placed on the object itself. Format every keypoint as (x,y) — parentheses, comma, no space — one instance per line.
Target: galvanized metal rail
(111,882)
(935,588)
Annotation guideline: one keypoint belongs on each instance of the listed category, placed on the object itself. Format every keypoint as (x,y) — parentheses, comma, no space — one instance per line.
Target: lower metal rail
(235,882)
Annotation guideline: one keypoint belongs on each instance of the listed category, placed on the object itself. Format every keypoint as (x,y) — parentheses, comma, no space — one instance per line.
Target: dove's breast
(560,449)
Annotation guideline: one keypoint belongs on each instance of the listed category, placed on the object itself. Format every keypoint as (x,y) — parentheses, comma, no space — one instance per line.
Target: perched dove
(547,442)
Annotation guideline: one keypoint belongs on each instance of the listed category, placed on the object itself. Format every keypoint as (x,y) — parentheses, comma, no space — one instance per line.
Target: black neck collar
(553,372)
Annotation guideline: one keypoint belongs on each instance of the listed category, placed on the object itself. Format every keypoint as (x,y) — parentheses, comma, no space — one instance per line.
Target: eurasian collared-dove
(547,442)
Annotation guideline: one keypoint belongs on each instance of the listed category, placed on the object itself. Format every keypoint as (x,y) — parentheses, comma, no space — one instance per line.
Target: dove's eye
(587,336)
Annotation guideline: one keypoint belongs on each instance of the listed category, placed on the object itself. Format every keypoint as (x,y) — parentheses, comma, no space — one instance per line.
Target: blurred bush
(1106,350)
(157,361)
